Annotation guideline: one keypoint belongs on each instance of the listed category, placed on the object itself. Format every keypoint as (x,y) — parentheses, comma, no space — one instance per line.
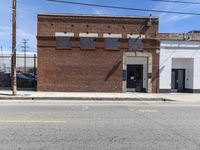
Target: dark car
(5,80)
(29,75)
(21,76)
(24,81)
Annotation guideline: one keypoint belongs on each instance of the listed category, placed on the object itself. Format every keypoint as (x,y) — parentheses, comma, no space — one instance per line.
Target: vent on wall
(63,42)
(135,44)
(112,43)
(88,42)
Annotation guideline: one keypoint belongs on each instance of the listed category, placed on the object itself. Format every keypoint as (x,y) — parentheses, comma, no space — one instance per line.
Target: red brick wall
(79,70)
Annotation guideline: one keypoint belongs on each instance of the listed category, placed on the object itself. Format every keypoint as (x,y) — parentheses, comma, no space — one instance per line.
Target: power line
(24,41)
(125,8)
(175,1)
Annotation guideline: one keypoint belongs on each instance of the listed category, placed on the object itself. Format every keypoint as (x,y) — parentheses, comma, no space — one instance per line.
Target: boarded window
(112,43)
(88,42)
(63,42)
(135,44)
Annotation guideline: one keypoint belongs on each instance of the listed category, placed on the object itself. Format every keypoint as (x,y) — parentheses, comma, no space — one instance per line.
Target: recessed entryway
(137,71)
(182,75)
(178,80)
(135,78)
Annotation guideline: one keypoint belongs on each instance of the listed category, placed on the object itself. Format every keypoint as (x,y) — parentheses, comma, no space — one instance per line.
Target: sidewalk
(33,95)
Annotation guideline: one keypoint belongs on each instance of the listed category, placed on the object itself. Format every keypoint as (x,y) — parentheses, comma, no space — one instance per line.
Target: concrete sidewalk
(33,95)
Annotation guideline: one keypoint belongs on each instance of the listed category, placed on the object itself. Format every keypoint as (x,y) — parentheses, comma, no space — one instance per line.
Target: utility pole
(13,56)
(24,41)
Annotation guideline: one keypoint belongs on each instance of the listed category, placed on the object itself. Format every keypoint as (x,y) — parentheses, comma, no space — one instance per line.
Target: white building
(180,62)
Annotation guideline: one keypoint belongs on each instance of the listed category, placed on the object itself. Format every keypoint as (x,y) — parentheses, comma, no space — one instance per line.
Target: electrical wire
(177,1)
(126,8)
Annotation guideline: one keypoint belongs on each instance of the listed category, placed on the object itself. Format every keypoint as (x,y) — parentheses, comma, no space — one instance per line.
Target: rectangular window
(88,42)
(112,43)
(135,44)
(63,42)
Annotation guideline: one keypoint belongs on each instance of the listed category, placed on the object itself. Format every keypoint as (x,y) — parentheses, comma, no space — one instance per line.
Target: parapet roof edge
(93,15)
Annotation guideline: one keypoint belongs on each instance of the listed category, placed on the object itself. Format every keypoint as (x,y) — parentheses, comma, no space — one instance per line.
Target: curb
(85,98)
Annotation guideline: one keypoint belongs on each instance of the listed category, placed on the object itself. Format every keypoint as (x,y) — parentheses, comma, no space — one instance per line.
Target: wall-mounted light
(149,23)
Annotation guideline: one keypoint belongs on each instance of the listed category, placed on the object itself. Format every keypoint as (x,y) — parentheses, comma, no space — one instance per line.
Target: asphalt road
(54,125)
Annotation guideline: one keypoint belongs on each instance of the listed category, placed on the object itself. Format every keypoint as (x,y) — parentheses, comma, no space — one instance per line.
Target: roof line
(92,15)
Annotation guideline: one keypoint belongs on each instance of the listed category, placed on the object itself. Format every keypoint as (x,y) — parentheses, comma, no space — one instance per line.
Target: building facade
(88,53)
(179,62)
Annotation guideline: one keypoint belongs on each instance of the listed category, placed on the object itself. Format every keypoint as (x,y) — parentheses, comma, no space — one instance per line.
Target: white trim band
(68,34)
(135,36)
(88,34)
(106,35)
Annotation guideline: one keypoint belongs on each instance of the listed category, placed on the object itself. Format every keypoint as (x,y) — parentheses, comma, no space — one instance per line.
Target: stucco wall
(180,54)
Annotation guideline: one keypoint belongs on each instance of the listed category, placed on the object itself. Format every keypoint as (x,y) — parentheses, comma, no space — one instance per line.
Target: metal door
(178,80)
(135,77)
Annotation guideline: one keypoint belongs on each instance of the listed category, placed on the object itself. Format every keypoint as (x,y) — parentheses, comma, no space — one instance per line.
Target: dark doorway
(135,78)
(178,80)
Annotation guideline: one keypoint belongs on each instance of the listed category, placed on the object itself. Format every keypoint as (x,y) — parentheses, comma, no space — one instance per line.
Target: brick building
(90,53)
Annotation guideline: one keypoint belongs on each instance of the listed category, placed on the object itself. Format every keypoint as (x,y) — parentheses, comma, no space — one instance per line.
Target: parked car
(5,80)
(24,81)
(20,76)
(30,75)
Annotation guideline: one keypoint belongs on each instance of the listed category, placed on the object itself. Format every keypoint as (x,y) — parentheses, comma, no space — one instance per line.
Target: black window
(135,44)
(112,43)
(88,42)
(63,42)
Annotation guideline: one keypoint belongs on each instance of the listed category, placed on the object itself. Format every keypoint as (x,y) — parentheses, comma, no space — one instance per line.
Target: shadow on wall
(161,69)
(168,57)
(114,68)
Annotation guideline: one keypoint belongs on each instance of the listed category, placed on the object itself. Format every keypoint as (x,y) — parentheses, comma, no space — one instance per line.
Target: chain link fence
(26,65)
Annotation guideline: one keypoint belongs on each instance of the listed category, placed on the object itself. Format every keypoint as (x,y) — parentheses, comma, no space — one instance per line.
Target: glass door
(178,80)
(135,78)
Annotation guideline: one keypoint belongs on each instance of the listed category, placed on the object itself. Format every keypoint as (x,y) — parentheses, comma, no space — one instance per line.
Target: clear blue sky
(27,11)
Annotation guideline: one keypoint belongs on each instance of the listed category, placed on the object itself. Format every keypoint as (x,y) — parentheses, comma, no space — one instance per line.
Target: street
(78,125)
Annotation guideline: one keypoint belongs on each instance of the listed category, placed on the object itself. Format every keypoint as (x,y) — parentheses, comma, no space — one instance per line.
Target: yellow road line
(148,110)
(32,121)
